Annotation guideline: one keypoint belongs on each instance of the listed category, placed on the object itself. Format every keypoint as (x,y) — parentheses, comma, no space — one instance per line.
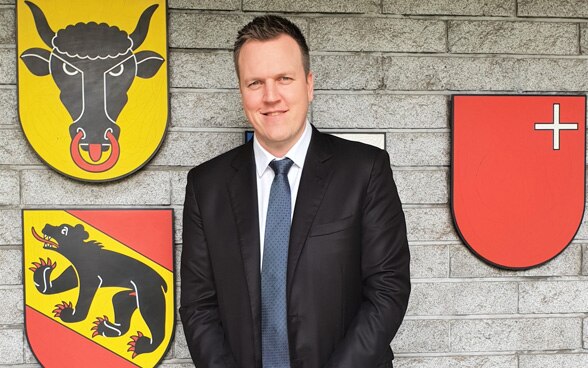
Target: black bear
(96,268)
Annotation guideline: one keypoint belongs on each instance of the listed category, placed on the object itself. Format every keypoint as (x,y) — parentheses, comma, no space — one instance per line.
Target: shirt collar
(297,153)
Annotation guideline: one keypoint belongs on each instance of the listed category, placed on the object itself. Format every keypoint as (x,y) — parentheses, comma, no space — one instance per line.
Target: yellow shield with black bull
(93,83)
(98,286)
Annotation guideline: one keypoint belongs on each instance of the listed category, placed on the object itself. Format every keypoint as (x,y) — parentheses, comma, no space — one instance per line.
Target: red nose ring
(94,155)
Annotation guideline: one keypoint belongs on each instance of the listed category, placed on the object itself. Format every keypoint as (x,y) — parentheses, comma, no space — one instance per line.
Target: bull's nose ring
(106,133)
(83,132)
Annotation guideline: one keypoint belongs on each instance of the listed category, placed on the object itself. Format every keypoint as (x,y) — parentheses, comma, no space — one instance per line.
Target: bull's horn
(139,34)
(43,28)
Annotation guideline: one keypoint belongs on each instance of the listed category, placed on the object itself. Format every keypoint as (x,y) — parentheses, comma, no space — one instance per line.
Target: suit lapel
(313,183)
(243,195)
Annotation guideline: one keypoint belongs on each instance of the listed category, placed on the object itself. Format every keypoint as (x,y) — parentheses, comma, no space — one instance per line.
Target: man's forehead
(279,52)
(281,41)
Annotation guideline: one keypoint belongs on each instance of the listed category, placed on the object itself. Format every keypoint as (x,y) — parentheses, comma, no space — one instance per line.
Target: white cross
(556,126)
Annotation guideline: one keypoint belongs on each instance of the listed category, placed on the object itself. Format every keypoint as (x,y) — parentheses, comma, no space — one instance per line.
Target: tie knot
(281,166)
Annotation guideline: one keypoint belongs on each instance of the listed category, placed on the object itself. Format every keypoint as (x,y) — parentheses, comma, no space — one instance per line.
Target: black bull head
(93,65)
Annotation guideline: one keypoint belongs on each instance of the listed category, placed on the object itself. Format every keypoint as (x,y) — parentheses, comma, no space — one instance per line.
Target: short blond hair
(267,27)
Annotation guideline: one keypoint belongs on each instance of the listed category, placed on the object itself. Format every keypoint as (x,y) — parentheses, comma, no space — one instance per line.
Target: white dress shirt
(265,176)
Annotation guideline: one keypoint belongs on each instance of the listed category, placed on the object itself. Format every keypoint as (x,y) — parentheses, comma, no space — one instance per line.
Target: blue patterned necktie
(274,330)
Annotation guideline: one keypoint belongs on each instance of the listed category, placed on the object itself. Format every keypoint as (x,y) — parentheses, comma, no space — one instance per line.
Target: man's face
(275,91)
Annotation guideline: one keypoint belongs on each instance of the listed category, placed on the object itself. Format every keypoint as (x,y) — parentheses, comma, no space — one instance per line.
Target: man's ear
(37,61)
(310,86)
(148,63)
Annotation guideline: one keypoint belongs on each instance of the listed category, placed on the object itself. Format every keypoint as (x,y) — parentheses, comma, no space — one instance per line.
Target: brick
(429,261)
(210,31)
(207,110)
(178,264)
(10,228)
(29,357)
(11,346)
(9,188)
(496,37)
(7,66)
(585,333)
(515,334)
(355,72)
(415,336)
(553,297)
(312,6)
(466,264)
(552,360)
(451,7)
(582,233)
(429,224)
(202,70)
(547,8)
(501,361)
(43,187)
(177,299)
(178,186)
(583,38)
(193,148)
(204,31)
(379,111)
(180,345)
(376,34)
(14,150)
(462,298)
(491,74)
(12,306)
(422,186)
(176,365)
(169,354)
(11,270)
(7,26)
(418,149)
(8,107)
(205,4)
(178,212)
(584,249)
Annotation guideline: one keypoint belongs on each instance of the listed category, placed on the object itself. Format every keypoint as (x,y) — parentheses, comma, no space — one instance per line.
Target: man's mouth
(47,241)
(273,113)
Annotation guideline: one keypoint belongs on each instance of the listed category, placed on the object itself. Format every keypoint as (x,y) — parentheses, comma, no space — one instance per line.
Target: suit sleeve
(199,306)
(385,274)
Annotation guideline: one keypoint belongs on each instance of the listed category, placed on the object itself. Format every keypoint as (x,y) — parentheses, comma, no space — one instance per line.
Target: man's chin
(277,144)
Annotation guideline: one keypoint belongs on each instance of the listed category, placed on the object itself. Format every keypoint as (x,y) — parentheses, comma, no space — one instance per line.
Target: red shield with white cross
(518,175)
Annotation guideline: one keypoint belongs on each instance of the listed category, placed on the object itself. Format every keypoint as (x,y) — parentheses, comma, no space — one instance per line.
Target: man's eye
(254,84)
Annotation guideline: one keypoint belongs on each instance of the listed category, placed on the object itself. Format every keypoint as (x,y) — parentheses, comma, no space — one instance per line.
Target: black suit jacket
(348,260)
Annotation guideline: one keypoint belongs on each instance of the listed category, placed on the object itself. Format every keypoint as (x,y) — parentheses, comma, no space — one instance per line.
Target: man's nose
(270,92)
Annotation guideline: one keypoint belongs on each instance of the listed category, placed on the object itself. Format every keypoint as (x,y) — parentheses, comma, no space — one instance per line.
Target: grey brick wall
(381,66)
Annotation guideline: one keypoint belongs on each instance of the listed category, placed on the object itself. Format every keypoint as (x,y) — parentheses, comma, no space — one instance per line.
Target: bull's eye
(64,231)
(117,70)
(69,70)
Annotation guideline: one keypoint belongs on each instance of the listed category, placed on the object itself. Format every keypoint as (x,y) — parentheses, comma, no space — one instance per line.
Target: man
(328,289)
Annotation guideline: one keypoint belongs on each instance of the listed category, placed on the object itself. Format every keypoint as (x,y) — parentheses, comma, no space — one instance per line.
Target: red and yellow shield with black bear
(99,286)
(92,83)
